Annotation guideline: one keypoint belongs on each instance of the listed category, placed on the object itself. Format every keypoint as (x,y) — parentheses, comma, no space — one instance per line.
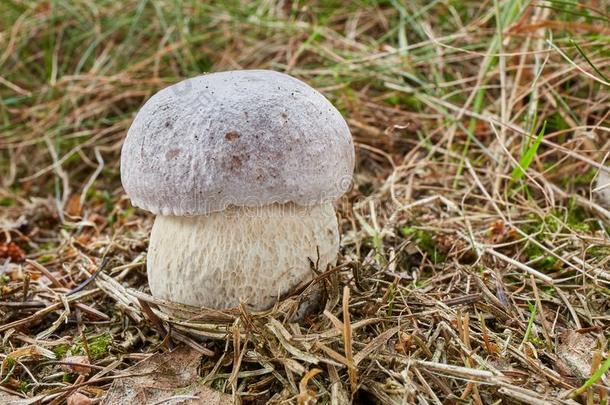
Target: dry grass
(463,278)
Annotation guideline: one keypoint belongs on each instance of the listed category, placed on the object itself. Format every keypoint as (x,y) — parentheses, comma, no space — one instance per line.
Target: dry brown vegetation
(475,259)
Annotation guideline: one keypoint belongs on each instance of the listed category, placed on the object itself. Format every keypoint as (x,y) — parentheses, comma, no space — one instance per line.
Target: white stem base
(603,184)
(252,255)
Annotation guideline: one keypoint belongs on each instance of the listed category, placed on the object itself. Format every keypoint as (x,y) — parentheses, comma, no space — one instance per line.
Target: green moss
(419,284)
(45,259)
(572,219)
(598,251)
(577,217)
(425,241)
(556,123)
(23,387)
(537,341)
(539,226)
(8,367)
(98,346)
(60,351)
(218,384)
(127,212)
(103,197)
(111,219)
(9,362)
(6,202)
(579,179)
(68,377)
(543,261)
(404,100)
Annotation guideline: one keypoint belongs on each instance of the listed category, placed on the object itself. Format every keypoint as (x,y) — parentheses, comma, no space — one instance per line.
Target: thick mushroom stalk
(249,255)
(603,186)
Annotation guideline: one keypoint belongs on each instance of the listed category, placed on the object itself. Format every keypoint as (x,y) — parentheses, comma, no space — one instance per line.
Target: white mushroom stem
(603,186)
(250,255)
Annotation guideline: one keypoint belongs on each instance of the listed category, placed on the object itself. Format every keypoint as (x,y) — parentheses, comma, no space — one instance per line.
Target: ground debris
(165,377)
(575,352)
(475,243)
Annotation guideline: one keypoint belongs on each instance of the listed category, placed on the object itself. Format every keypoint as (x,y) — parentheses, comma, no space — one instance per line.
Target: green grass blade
(574,13)
(582,53)
(504,18)
(528,157)
(596,376)
(530,322)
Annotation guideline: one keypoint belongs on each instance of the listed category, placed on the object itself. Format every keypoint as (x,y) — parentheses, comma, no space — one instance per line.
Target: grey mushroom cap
(239,138)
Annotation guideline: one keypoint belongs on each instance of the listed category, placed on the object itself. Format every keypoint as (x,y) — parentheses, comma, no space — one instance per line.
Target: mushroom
(241,169)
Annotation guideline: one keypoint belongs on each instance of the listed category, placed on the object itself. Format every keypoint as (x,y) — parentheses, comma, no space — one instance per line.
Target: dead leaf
(12,251)
(80,365)
(170,378)
(73,207)
(78,399)
(575,353)
(35,352)
(9,399)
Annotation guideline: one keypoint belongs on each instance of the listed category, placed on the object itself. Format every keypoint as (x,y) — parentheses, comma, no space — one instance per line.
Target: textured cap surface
(241,138)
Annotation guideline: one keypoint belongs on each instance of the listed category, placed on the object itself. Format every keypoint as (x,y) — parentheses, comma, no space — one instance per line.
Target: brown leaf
(165,377)
(73,207)
(78,399)
(575,353)
(35,352)
(12,251)
(80,365)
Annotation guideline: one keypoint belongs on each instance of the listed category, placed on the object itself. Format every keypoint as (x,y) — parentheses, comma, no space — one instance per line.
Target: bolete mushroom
(241,169)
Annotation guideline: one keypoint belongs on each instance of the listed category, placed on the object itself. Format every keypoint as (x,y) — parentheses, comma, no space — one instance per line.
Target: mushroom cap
(241,138)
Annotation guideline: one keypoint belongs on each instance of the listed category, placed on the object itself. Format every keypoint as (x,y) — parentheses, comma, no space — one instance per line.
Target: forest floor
(475,252)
